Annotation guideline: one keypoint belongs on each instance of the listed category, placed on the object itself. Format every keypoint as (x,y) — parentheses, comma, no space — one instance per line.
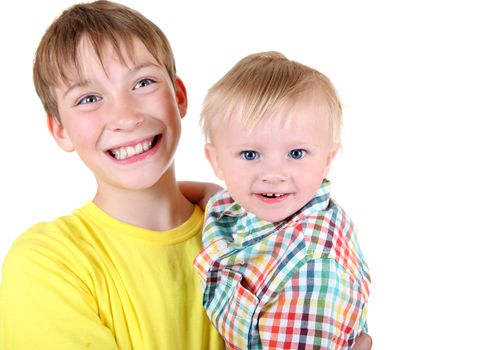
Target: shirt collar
(319,202)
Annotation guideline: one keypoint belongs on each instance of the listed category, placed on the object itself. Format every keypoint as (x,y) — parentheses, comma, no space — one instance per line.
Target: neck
(159,208)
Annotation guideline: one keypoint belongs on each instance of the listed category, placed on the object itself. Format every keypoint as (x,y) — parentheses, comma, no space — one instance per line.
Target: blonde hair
(100,23)
(259,84)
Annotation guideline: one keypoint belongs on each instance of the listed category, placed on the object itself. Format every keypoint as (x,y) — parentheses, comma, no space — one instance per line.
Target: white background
(416,79)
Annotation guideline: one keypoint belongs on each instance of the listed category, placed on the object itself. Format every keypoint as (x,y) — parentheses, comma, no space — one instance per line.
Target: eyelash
(298,150)
(148,82)
(244,154)
(84,100)
(296,154)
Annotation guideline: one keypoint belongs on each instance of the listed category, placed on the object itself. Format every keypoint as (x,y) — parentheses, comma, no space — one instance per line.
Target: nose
(273,178)
(274,173)
(124,115)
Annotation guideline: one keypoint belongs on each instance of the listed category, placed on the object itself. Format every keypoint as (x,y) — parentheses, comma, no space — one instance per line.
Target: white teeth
(273,195)
(128,151)
(139,148)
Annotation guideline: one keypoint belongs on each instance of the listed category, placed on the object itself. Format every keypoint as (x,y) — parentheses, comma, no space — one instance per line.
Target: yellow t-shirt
(89,281)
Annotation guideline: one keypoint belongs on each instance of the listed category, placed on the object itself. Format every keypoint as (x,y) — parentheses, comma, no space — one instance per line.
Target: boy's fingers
(363,342)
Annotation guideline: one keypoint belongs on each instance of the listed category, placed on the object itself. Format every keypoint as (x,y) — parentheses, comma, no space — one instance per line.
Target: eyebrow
(145,65)
(85,83)
(75,86)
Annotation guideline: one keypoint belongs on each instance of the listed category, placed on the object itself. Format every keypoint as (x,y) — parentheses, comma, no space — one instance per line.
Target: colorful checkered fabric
(298,284)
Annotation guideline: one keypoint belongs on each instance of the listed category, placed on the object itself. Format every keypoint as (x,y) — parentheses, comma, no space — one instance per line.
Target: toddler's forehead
(287,113)
(293,113)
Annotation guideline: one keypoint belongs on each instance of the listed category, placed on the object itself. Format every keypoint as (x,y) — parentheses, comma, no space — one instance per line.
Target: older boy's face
(123,118)
(274,168)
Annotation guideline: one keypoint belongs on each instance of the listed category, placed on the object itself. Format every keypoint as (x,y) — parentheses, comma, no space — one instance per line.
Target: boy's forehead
(90,55)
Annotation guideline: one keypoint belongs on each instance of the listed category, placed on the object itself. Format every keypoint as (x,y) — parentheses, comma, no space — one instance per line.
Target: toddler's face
(274,168)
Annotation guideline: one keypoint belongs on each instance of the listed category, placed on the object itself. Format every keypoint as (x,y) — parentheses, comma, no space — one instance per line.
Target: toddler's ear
(332,153)
(59,134)
(212,156)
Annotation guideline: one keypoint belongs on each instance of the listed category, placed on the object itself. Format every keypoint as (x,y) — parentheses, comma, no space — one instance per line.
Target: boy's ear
(58,132)
(211,155)
(181,96)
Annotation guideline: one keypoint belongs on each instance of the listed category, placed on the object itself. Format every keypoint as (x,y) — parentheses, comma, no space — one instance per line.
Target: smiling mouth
(126,152)
(272,197)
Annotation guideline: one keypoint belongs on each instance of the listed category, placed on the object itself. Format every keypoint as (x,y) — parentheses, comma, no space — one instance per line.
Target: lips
(271,198)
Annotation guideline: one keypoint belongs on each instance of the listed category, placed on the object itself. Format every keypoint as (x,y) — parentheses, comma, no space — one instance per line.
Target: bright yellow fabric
(89,281)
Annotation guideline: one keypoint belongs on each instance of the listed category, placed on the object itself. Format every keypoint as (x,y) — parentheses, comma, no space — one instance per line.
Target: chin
(140,184)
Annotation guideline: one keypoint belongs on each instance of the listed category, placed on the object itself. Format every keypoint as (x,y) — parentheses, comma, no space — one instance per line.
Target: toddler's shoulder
(324,227)
(330,233)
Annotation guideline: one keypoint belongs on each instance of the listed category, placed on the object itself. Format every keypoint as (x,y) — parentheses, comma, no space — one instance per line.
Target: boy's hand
(198,192)
(363,342)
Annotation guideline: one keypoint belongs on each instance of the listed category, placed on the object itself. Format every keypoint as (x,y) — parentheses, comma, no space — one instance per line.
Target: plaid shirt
(297,284)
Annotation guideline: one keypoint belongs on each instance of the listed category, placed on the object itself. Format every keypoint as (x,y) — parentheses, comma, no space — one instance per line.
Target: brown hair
(100,23)
(259,83)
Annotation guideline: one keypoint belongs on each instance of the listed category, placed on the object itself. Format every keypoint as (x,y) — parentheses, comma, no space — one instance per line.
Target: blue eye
(88,99)
(297,153)
(249,155)
(143,83)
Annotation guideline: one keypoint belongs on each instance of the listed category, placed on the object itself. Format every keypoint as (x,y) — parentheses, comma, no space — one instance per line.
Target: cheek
(236,181)
(229,167)
(82,125)
(166,104)
(84,133)
(311,176)
(233,178)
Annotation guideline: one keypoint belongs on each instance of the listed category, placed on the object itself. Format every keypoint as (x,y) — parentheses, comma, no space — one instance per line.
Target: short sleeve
(44,304)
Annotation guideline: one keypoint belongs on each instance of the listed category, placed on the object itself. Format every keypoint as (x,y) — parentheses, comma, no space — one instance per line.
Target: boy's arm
(198,192)
(319,305)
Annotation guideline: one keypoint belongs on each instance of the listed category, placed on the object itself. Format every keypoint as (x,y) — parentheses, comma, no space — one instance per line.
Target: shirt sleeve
(321,306)
(44,304)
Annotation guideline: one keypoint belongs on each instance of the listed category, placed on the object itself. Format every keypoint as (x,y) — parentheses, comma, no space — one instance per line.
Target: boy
(281,266)
(117,273)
